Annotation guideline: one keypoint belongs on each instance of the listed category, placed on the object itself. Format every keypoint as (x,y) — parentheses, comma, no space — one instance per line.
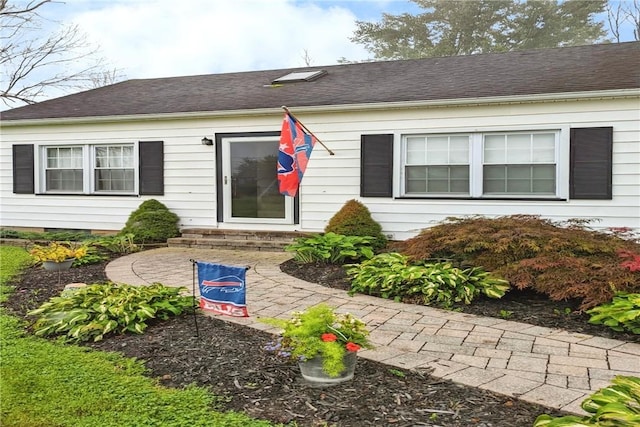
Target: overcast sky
(160,38)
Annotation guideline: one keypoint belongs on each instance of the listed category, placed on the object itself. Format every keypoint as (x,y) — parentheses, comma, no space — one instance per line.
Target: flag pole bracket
(284,107)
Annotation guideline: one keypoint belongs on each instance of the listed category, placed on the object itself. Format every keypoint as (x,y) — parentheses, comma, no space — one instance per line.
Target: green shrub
(96,310)
(10,234)
(67,235)
(331,248)
(152,222)
(622,313)
(50,236)
(617,405)
(563,261)
(354,219)
(394,276)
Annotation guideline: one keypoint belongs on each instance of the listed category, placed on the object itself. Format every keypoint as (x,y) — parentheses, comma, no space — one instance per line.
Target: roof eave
(456,102)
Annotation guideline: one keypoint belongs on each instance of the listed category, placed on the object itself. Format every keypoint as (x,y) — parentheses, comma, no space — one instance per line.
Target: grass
(12,260)
(48,383)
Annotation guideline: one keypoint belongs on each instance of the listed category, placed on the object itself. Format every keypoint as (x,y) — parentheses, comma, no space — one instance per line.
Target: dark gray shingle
(560,70)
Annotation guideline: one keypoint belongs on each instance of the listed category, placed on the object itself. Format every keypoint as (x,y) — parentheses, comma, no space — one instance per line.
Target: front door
(250,182)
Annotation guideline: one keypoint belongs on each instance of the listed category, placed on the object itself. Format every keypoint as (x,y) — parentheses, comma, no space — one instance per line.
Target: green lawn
(12,259)
(47,383)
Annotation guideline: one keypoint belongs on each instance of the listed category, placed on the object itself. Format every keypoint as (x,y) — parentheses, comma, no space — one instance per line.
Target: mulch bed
(229,359)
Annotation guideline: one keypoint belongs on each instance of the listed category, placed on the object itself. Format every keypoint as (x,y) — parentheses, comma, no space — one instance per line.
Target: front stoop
(204,238)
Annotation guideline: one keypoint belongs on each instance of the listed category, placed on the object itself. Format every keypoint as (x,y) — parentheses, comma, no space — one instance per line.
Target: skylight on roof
(300,76)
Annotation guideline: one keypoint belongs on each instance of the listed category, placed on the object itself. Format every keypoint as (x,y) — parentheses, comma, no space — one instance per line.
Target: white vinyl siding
(331,180)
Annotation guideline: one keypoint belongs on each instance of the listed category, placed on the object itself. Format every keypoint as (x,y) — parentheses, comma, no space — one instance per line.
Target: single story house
(553,132)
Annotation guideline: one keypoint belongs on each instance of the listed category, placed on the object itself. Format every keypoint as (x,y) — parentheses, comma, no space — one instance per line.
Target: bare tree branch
(615,18)
(633,16)
(30,7)
(32,66)
(106,77)
(621,13)
(307,58)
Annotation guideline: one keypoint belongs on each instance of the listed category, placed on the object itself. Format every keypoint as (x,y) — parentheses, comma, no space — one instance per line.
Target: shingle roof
(559,70)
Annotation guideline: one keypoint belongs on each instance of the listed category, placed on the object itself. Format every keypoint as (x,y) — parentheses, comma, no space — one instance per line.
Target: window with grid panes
(519,164)
(114,168)
(482,164)
(89,169)
(64,169)
(437,164)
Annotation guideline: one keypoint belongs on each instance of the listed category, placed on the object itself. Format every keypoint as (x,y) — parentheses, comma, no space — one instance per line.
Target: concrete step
(235,239)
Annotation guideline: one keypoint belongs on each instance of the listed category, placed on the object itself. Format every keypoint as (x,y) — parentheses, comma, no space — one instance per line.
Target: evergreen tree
(453,27)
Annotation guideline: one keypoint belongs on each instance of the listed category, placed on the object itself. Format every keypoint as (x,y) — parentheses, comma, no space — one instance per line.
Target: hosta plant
(331,248)
(91,312)
(92,256)
(120,244)
(395,276)
(622,313)
(617,405)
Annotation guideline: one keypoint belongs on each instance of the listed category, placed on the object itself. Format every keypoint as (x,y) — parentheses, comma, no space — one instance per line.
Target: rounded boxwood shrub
(152,222)
(354,219)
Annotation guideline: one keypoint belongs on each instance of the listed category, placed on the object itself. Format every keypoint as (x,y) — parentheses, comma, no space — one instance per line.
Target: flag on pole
(222,289)
(293,155)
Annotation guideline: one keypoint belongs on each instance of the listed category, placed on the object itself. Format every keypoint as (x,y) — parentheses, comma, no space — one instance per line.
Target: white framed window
(64,169)
(481,164)
(437,164)
(88,169)
(114,168)
(519,164)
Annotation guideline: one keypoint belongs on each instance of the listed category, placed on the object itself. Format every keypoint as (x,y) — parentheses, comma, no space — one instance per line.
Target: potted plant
(57,256)
(324,343)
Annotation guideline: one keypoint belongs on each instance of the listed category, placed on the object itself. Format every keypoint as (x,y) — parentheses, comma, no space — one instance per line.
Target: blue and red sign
(222,289)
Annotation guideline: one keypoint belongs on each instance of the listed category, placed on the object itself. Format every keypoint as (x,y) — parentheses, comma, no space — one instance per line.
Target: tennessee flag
(293,155)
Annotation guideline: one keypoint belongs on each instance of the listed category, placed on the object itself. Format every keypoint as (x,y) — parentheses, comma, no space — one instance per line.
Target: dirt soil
(229,359)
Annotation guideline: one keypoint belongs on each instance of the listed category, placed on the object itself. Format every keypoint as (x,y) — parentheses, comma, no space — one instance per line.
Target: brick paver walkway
(548,366)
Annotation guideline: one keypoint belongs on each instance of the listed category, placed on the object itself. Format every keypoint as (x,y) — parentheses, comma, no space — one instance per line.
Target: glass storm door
(250,182)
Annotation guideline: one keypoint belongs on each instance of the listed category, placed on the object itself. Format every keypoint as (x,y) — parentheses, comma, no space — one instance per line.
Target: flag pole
(193,301)
(308,131)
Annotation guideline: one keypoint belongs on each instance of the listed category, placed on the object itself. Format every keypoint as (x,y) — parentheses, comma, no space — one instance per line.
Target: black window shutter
(590,163)
(23,172)
(151,158)
(376,165)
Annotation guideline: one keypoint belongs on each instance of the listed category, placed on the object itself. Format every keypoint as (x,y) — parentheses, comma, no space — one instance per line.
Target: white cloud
(158,38)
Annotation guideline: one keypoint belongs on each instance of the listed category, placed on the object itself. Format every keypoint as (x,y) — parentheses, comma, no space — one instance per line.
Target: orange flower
(328,337)
(351,346)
